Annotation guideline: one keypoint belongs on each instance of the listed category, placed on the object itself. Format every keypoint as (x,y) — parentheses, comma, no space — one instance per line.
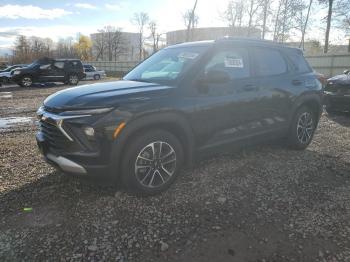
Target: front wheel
(26,81)
(152,162)
(97,77)
(73,79)
(302,128)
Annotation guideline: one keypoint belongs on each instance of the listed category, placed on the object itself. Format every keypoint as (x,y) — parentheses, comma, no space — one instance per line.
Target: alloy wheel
(155,164)
(27,81)
(73,79)
(305,128)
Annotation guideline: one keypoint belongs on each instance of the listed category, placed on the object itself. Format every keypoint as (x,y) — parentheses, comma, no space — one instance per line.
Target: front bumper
(67,164)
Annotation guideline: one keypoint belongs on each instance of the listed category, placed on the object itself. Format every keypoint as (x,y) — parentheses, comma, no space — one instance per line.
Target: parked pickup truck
(92,73)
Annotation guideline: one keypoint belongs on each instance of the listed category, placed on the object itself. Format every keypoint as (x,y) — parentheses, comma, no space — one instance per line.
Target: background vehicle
(69,71)
(337,93)
(91,73)
(5,74)
(184,101)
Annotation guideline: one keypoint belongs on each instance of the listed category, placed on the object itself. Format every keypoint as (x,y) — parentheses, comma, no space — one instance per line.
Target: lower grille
(54,136)
(338,89)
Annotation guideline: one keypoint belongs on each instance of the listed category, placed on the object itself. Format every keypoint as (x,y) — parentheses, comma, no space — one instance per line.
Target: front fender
(150,121)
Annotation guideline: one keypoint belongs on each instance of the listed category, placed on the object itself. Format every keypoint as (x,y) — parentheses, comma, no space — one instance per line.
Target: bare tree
(99,45)
(191,19)
(286,18)
(154,35)
(140,19)
(252,10)
(21,51)
(108,43)
(65,48)
(234,13)
(266,10)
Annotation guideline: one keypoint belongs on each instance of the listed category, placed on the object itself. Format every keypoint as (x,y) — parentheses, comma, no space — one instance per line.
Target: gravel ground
(265,203)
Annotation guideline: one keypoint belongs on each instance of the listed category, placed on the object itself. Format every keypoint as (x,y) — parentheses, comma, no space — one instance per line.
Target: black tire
(153,176)
(26,81)
(97,77)
(300,135)
(73,79)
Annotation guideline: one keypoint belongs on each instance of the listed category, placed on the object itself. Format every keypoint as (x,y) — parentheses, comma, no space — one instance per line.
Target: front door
(226,109)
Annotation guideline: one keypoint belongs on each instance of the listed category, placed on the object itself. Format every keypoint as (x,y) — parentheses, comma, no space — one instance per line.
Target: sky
(62,18)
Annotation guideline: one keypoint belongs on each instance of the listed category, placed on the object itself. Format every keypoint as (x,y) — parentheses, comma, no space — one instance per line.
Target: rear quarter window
(269,62)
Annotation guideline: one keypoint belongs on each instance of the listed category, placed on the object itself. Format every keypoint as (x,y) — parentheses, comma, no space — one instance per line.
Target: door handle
(297,82)
(250,87)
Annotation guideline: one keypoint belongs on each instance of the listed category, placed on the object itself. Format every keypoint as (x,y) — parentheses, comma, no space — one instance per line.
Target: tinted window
(167,65)
(233,61)
(299,62)
(59,65)
(269,62)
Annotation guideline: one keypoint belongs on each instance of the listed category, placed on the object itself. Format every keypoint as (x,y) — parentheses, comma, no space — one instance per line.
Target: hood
(107,94)
(340,79)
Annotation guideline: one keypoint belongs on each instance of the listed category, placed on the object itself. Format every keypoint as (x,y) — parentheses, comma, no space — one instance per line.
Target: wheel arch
(312,101)
(172,122)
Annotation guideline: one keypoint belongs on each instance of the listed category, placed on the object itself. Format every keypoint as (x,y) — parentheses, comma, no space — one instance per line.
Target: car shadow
(51,189)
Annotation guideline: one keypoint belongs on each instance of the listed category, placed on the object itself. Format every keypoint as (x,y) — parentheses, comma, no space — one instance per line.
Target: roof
(243,40)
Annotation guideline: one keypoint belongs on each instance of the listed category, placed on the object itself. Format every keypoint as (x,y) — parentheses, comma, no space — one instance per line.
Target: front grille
(54,136)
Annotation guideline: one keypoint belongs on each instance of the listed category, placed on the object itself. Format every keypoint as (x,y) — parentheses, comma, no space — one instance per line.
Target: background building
(211,33)
(115,46)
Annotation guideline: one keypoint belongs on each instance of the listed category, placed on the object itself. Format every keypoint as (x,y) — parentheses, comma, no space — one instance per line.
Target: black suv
(184,101)
(68,71)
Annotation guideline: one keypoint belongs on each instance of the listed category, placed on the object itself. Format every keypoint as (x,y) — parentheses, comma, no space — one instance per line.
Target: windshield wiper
(139,80)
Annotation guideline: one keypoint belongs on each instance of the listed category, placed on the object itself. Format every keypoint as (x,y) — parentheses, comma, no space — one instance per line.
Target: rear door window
(269,62)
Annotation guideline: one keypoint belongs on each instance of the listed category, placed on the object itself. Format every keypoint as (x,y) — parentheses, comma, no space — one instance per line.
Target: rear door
(274,82)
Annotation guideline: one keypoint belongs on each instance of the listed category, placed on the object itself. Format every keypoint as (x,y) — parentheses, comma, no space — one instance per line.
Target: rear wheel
(26,81)
(73,79)
(152,162)
(302,129)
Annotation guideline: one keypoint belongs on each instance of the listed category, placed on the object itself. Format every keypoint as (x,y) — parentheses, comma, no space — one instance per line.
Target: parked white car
(92,73)
(5,75)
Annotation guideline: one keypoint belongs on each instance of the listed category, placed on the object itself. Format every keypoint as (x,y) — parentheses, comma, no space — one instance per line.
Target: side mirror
(216,76)
(347,71)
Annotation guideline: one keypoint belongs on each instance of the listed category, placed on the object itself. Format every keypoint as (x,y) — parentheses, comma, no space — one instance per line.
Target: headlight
(95,111)
(16,72)
(89,131)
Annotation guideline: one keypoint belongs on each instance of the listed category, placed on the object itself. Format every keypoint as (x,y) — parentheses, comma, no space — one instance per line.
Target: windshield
(167,65)
(35,63)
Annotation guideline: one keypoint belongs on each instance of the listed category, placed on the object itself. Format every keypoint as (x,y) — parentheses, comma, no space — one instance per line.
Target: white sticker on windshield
(187,55)
(233,62)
